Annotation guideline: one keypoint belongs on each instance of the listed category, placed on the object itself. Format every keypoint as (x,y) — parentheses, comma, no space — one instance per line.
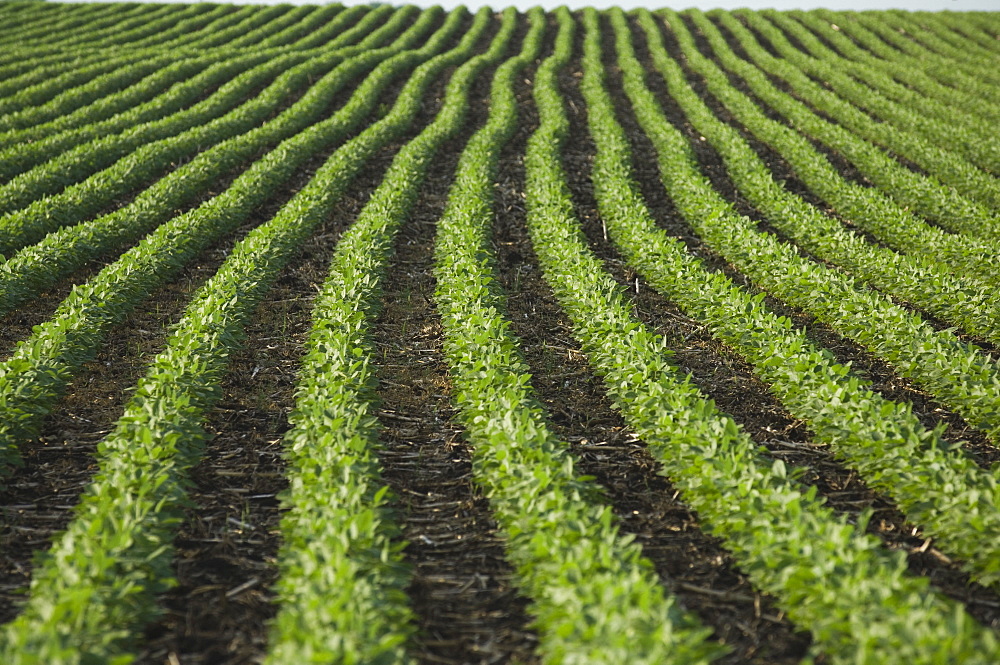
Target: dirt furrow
(731,383)
(39,498)
(227,547)
(462,592)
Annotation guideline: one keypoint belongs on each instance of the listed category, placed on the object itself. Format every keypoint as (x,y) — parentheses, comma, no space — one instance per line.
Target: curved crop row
(91,176)
(153,148)
(260,26)
(96,587)
(897,46)
(233,23)
(177,33)
(56,113)
(32,380)
(911,131)
(162,93)
(95,21)
(959,374)
(114,82)
(179,27)
(342,590)
(31,15)
(256,22)
(133,36)
(928,32)
(26,70)
(143,33)
(921,44)
(44,144)
(883,440)
(37,267)
(320,38)
(273,28)
(188,32)
(34,86)
(18,97)
(932,78)
(922,276)
(868,207)
(765,517)
(920,193)
(968,27)
(117,30)
(155,84)
(306,25)
(906,85)
(595,598)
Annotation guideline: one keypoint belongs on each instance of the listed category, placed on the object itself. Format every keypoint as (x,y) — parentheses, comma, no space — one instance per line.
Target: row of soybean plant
(869,208)
(891,44)
(94,591)
(66,70)
(871,60)
(934,37)
(918,124)
(61,345)
(594,597)
(838,405)
(959,374)
(763,514)
(342,571)
(922,193)
(918,277)
(953,148)
(213,149)
(936,77)
(181,82)
(188,28)
(87,172)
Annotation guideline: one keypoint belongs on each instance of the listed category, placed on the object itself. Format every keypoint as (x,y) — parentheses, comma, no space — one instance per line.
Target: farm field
(374,334)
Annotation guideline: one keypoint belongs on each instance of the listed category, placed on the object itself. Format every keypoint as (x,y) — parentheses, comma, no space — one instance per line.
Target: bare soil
(467,606)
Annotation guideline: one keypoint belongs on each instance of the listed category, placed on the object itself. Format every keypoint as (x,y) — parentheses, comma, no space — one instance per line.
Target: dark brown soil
(730,382)
(884,378)
(693,565)
(58,466)
(462,592)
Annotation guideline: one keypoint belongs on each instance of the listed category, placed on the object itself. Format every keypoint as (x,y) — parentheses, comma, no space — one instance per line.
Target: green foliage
(112,166)
(149,107)
(342,589)
(941,204)
(949,149)
(37,373)
(559,530)
(95,589)
(883,440)
(40,265)
(959,374)
(713,463)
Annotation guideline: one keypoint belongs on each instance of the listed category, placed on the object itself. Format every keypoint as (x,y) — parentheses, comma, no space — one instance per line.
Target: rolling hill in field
(373,334)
